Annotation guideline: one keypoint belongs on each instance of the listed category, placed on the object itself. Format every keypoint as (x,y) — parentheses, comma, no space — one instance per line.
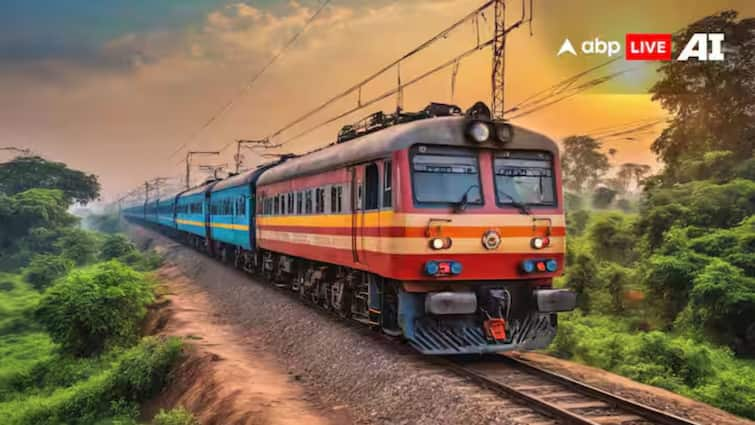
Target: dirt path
(228,379)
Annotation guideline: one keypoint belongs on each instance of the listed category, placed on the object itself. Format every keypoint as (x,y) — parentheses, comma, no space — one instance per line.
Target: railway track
(556,396)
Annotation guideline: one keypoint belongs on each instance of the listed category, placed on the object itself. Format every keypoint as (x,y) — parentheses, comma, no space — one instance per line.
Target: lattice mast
(499,59)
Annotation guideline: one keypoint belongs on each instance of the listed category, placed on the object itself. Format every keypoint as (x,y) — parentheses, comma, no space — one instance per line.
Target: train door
(370,222)
(356,209)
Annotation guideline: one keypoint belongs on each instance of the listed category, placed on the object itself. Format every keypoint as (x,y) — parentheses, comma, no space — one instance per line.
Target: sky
(116,87)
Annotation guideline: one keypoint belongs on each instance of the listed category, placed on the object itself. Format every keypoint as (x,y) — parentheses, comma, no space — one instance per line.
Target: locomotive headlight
(440,243)
(478,131)
(504,133)
(539,243)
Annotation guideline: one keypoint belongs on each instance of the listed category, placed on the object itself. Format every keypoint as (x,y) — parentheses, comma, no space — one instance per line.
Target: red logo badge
(648,47)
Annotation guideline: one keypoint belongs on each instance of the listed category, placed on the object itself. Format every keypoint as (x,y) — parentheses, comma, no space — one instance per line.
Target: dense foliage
(44,269)
(26,173)
(666,277)
(95,308)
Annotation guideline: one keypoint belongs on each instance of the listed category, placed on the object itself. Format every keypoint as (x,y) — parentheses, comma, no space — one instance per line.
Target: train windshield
(443,176)
(524,178)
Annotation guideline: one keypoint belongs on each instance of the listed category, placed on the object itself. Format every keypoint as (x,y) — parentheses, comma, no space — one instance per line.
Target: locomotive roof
(447,131)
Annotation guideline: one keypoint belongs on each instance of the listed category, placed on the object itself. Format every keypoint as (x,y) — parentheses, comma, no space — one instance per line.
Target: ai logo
(697,47)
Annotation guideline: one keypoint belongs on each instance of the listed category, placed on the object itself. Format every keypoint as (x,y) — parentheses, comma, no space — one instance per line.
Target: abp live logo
(652,47)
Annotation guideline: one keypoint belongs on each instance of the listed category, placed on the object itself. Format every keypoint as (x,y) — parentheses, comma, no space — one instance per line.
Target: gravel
(346,365)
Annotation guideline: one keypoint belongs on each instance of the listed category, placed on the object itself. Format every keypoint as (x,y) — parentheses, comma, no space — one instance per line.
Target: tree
(629,172)
(34,208)
(44,269)
(612,238)
(24,173)
(96,308)
(116,246)
(711,102)
(583,163)
(602,197)
(78,245)
(721,299)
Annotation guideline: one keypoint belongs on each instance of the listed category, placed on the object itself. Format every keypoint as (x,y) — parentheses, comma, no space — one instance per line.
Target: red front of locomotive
(451,231)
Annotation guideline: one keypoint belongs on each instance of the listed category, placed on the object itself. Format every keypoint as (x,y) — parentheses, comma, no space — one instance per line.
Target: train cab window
(523,177)
(443,176)
(387,184)
(372,187)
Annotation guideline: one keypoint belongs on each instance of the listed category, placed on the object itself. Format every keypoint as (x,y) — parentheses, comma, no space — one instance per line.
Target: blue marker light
(432,268)
(528,266)
(456,267)
(551,265)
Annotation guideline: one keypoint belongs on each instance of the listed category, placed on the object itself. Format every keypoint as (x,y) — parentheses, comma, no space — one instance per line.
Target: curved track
(557,396)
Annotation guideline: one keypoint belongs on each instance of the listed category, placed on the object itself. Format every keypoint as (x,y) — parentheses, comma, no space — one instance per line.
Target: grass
(39,385)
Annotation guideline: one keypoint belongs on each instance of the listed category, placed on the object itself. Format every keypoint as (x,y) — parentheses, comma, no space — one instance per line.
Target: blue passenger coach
(232,210)
(191,210)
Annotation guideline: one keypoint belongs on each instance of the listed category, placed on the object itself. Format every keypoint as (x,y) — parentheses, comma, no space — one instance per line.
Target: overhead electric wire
(229,104)
(384,69)
(400,87)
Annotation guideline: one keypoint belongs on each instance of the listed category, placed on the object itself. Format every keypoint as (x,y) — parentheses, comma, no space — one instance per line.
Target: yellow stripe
(407,246)
(190,222)
(390,218)
(230,226)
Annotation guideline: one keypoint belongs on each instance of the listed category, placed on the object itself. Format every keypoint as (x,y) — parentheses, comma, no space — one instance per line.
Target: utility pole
(188,163)
(250,144)
(499,59)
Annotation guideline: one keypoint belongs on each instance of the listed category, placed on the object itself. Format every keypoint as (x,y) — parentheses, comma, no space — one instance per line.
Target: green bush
(96,308)
(135,376)
(680,364)
(78,245)
(176,416)
(44,269)
(116,246)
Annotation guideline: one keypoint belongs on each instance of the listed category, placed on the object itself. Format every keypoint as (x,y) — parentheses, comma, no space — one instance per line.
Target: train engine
(446,228)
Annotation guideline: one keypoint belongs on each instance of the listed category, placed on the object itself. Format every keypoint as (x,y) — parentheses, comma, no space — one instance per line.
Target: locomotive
(441,227)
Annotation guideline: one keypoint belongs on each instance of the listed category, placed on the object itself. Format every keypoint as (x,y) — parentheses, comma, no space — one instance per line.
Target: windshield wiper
(462,204)
(523,208)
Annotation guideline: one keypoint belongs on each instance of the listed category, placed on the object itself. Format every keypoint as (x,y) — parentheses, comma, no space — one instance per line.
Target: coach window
(276,205)
(387,185)
(372,185)
(334,199)
(308,202)
(299,200)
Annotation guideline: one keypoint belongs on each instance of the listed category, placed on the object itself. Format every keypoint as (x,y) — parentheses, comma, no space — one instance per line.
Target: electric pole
(250,144)
(188,163)
(499,59)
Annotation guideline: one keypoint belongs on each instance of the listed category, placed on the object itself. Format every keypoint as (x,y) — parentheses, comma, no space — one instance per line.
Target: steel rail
(553,409)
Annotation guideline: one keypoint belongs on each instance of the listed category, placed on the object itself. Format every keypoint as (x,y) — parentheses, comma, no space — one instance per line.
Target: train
(440,227)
